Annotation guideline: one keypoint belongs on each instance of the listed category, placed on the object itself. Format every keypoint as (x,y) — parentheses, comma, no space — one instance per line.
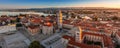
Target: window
(77,33)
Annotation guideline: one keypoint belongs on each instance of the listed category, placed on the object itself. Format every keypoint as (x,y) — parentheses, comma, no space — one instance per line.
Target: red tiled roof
(82,45)
(88,33)
(66,22)
(4,19)
(118,33)
(36,20)
(48,24)
(33,27)
(107,40)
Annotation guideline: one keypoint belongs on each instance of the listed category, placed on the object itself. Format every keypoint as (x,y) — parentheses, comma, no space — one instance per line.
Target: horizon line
(63,7)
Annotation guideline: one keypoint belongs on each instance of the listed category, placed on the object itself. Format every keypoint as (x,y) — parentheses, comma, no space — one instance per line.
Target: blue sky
(58,3)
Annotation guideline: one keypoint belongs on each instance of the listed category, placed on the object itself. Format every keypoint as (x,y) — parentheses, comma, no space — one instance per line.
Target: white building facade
(47,30)
(7,28)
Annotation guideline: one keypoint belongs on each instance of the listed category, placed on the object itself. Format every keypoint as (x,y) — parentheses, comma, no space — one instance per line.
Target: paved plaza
(14,40)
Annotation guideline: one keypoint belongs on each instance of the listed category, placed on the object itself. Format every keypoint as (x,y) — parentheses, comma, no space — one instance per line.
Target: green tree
(35,44)
(115,18)
(12,21)
(18,19)
(79,17)
(43,16)
(95,18)
(18,25)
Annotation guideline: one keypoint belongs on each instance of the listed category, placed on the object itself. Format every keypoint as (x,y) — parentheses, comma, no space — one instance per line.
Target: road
(2,43)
